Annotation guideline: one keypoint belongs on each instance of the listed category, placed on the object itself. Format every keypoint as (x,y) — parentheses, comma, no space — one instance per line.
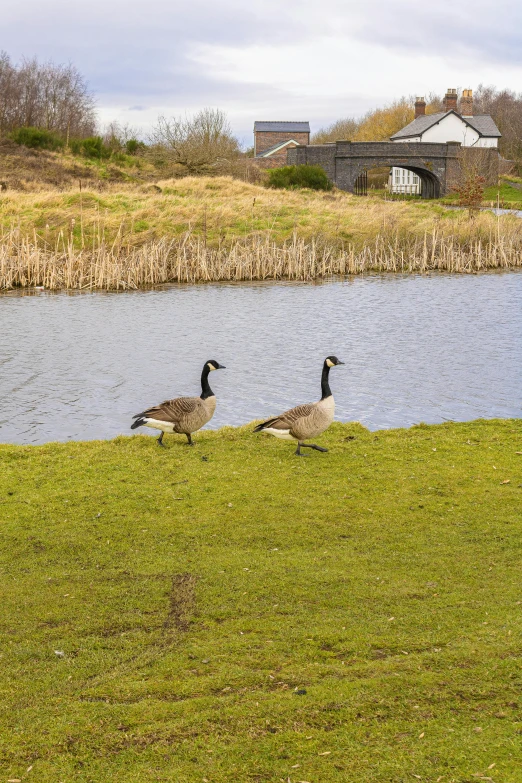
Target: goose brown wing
(173,410)
(287,419)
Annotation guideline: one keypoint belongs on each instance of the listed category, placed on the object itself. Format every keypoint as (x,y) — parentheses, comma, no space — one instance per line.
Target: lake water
(417,348)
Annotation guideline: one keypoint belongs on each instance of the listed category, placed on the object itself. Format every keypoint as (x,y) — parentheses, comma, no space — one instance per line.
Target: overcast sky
(315,60)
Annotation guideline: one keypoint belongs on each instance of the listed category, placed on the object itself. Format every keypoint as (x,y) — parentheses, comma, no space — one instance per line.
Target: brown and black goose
(183,415)
(306,421)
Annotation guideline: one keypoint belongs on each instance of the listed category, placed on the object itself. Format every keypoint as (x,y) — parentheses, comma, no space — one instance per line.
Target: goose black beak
(221,367)
(338,363)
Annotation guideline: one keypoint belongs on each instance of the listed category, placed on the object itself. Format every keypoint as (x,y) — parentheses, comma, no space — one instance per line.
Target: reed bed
(24,262)
(204,230)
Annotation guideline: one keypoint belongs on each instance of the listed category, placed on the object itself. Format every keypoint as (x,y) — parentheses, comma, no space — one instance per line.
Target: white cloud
(299,59)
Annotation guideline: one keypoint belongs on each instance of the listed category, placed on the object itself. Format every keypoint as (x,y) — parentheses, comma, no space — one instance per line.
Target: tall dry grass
(223,209)
(189,259)
(209,229)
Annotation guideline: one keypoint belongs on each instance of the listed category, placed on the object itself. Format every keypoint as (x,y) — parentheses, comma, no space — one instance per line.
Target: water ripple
(417,348)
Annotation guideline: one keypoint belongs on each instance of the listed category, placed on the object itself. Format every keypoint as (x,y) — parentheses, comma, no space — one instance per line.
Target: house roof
(419,125)
(270,151)
(482,123)
(280,125)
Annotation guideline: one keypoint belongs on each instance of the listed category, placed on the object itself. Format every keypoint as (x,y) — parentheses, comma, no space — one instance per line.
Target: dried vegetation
(211,229)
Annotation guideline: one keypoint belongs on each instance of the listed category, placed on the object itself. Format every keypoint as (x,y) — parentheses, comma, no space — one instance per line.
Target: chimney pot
(420,107)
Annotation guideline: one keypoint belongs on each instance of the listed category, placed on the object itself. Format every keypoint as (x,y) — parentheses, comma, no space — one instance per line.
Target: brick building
(273,139)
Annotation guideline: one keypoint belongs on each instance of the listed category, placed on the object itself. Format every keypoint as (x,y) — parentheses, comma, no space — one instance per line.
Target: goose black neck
(206,391)
(325,386)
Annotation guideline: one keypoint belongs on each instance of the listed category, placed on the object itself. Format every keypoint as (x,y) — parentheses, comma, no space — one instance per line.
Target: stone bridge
(439,166)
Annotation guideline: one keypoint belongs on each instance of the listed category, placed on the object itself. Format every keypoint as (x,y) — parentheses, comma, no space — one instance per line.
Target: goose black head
(213,365)
(333,361)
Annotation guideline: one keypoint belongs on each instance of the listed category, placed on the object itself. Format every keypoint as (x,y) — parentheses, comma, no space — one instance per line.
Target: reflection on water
(417,348)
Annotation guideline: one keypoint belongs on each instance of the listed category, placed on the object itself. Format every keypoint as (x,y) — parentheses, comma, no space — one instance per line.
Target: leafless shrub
(478,167)
(117,136)
(203,143)
(471,193)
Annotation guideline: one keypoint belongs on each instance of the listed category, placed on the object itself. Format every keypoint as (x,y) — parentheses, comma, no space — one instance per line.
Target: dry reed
(24,262)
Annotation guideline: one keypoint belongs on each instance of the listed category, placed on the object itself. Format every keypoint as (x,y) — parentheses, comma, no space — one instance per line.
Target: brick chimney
(420,107)
(466,103)
(450,100)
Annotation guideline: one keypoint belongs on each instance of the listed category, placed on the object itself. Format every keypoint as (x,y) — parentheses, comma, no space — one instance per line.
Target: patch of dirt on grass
(182,600)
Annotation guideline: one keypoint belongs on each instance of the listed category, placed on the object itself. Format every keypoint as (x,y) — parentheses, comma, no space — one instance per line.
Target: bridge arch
(431,186)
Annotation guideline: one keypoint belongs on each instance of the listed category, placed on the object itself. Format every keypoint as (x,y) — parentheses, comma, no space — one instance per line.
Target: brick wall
(266,139)
(275,161)
(315,155)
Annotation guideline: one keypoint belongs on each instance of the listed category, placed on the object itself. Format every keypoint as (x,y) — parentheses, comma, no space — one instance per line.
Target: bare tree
(201,143)
(118,136)
(478,168)
(505,106)
(341,130)
(49,96)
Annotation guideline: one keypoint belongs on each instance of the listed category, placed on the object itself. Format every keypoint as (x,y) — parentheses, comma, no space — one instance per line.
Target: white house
(472,130)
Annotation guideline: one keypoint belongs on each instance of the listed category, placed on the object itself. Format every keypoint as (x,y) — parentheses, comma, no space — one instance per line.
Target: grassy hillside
(233,613)
(223,209)
(34,171)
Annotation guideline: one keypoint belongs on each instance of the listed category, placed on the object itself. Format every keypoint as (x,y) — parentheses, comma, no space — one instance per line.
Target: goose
(184,415)
(306,421)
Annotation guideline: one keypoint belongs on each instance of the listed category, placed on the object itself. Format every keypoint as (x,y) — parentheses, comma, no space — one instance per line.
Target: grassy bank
(198,229)
(507,195)
(24,170)
(222,209)
(232,613)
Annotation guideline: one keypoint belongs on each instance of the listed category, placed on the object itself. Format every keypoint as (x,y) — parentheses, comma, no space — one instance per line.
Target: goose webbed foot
(308,446)
(189,439)
(160,440)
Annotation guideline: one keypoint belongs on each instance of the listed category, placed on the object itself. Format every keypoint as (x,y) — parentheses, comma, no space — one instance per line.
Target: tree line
(49,106)
(505,106)
(55,99)
(46,96)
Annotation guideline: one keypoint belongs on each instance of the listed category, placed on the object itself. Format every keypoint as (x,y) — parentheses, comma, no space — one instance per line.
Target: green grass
(505,194)
(223,210)
(509,197)
(232,613)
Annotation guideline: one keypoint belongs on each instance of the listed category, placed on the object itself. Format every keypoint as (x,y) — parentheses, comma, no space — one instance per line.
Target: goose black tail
(264,425)
(139,421)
